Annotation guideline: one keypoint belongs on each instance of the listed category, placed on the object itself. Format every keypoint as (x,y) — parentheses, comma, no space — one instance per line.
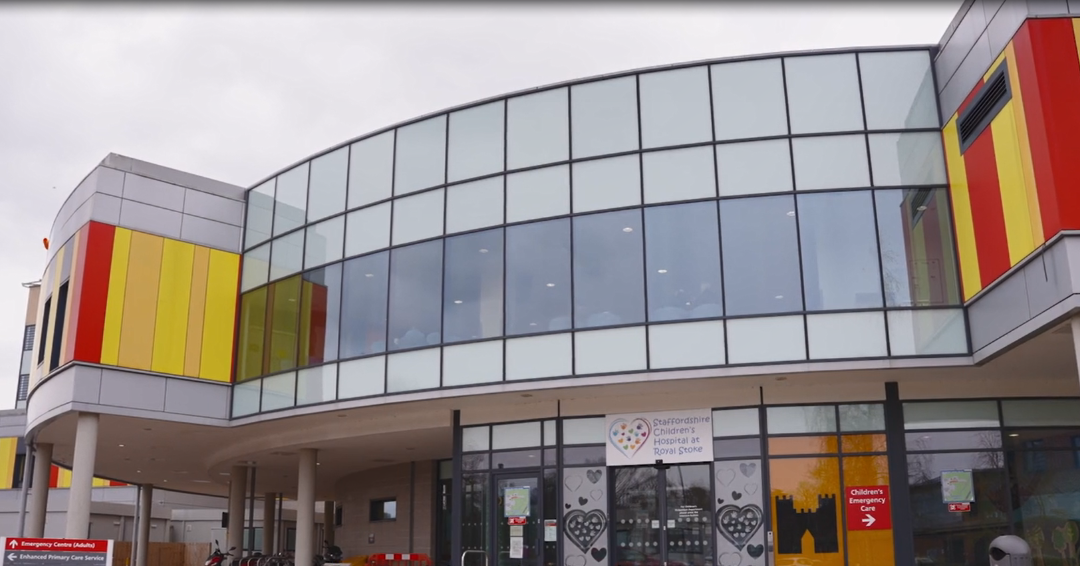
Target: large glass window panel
(476,141)
(830,162)
(258,226)
(823,93)
(691,344)
(761,255)
(323,243)
(245,398)
(607,183)
(748,99)
(549,355)
(412,371)
(680,174)
(474,205)
(362,378)
(415,295)
(468,364)
(371,169)
(675,107)
(801,420)
(608,286)
(473,295)
(846,335)
(515,435)
(316,385)
(766,339)
(287,255)
(538,129)
(283,321)
(320,305)
(256,269)
(367,230)
(1041,412)
(912,158)
(421,155)
(418,217)
(363,305)
(951,414)
(682,254)
(290,202)
(327,188)
(898,90)
(927,332)
(736,422)
(1046,484)
(917,259)
(538,277)
(538,193)
(249,356)
(611,350)
(839,251)
(754,167)
(603,117)
(278,392)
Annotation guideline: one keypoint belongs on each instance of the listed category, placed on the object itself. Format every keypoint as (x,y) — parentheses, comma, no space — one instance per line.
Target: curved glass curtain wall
(745,212)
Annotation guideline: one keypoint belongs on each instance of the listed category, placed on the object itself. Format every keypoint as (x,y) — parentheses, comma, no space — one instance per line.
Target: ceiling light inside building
(791,213)
(483,250)
(550,284)
(628,229)
(661,271)
(458,302)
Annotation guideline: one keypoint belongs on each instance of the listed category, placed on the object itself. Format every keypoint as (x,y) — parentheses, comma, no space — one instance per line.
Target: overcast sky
(235,93)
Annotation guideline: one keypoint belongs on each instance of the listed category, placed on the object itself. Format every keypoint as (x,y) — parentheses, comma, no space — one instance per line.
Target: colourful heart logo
(629,436)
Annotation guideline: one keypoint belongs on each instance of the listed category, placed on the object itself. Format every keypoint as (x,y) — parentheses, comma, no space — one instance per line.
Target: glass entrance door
(662,516)
(518,515)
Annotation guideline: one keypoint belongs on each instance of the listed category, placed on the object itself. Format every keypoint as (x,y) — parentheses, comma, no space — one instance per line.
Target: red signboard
(516,520)
(868,508)
(959,507)
(56,544)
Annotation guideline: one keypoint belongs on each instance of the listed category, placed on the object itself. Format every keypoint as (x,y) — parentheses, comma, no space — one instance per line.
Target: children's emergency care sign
(52,551)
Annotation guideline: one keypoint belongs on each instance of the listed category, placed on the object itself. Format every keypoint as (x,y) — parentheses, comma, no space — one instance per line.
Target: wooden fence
(164,554)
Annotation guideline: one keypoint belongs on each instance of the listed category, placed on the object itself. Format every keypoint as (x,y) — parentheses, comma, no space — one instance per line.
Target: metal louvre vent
(28,338)
(24,386)
(993,96)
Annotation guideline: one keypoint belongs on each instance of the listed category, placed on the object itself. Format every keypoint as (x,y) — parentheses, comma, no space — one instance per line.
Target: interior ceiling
(199,458)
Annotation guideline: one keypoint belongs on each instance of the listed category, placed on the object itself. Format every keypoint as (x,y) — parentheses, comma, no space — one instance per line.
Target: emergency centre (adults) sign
(55,552)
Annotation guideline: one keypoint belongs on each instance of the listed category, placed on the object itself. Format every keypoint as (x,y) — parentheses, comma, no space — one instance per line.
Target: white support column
(39,491)
(237,487)
(82,477)
(328,521)
(269,516)
(305,509)
(146,498)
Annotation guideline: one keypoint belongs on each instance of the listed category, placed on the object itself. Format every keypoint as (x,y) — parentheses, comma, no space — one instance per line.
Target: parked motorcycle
(217,557)
(332,554)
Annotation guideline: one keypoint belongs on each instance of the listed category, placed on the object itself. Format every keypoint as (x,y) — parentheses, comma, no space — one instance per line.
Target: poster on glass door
(671,437)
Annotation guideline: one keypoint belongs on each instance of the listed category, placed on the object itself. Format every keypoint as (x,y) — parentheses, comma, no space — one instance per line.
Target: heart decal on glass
(738,524)
(629,436)
(583,529)
(593,475)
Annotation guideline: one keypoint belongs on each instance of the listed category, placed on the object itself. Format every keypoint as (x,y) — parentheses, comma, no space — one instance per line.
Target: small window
(58,330)
(45,330)
(383,509)
(337,515)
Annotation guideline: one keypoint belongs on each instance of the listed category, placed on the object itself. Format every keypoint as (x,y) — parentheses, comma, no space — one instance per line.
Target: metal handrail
(466,553)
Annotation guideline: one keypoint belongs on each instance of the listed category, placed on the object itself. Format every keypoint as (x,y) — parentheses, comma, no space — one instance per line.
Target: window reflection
(415,296)
(839,251)
(290,202)
(538,277)
(761,255)
(260,214)
(320,310)
(916,247)
(476,141)
(473,296)
(608,286)
(283,318)
(363,312)
(327,185)
(683,262)
(252,335)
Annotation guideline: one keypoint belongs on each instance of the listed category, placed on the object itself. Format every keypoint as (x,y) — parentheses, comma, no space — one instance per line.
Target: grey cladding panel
(212,207)
(150,191)
(151,219)
(1004,25)
(209,233)
(109,181)
(203,399)
(1047,7)
(132,390)
(105,208)
(999,311)
(956,49)
(967,76)
(1074,6)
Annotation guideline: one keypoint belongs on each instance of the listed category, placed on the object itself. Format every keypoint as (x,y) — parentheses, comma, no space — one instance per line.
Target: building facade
(802,308)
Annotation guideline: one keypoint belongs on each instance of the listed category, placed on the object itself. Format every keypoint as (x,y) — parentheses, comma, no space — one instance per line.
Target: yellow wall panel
(1011,181)
(220,318)
(961,201)
(114,308)
(140,302)
(173,299)
(305,322)
(7,461)
(63,478)
(196,311)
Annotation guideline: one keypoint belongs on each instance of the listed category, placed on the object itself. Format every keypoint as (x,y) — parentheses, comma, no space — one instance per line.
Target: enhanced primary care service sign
(672,437)
(56,552)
